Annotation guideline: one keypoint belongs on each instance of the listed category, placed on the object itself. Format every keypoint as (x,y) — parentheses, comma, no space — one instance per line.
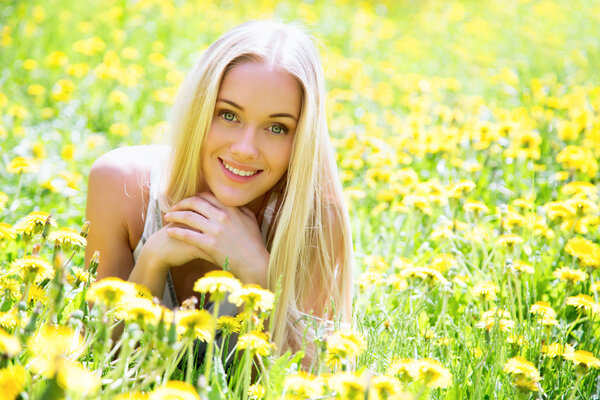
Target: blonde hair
(311,246)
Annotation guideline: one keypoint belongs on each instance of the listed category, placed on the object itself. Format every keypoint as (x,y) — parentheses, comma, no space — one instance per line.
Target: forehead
(257,85)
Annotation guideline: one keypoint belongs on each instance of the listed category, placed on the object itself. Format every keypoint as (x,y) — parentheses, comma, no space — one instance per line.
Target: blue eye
(228,116)
(278,129)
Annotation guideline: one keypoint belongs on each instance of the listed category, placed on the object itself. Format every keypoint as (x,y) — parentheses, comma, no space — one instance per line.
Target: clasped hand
(202,227)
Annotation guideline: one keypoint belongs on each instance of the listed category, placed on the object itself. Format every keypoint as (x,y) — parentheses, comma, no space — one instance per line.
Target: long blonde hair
(311,247)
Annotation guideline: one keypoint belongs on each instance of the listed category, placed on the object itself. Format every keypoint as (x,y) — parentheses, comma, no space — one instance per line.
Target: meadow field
(467,135)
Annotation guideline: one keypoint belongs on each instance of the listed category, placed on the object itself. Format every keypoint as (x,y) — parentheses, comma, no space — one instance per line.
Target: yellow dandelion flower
(256,342)
(584,250)
(461,280)
(496,317)
(523,267)
(542,309)
(402,368)
(384,387)
(77,276)
(583,301)
(579,158)
(256,391)
(174,390)
(474,206)
(423,273)
(57,59)
(518,340)
(509,239)
(8,319)
(33,223)
(570,275)
(119,129)
(344,344)
(143,291)
(228,324)
(52,343)
(349,386)
(443,262)
(459,189)
(525,375)
(302,385)
(595,287)
(30,64)
(140,310)
(582,205)
(10,345)
(3,197)
(12,381)
(36,294)
(110,291)
(376,262)
(558,209)
(198,324)
(218,284)
(556,349)
(582,358)
(21,165)
(73,376)
(370,278)
(131,396)
(397,282)
(9,288)
(31,268)
(432,373)
(255,297)
(487,290)
(428,371)
(68,151)
(68,239)
(419,202)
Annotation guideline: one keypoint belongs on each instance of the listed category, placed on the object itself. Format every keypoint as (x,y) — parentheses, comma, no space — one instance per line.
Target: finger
(201,243)
(190,219)
(197,204)
(212,199)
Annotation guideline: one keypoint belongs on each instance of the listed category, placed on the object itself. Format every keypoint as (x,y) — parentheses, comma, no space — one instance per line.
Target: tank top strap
(152,224)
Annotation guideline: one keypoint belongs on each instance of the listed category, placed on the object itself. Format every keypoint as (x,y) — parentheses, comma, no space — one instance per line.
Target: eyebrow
(278,115)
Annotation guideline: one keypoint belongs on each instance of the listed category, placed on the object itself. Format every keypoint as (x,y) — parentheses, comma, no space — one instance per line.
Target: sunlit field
(468,138)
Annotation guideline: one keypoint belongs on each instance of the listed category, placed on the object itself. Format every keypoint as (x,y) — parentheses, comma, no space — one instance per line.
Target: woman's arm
(116,203)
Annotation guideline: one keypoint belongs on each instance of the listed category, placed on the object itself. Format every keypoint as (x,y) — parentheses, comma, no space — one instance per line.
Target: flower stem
(211,344)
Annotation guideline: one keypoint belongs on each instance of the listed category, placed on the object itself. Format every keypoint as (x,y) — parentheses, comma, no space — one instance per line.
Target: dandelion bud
(47,226)
(85,230)
(30,327)
(172,334)
(57,256)
(94,262)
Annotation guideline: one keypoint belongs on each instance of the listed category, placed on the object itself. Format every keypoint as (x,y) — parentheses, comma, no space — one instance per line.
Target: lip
(234,177)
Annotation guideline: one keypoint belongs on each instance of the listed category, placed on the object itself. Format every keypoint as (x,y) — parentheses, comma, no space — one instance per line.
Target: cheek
(284,156)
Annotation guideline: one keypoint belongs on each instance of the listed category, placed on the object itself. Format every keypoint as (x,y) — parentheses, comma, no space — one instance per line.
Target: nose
(245,145)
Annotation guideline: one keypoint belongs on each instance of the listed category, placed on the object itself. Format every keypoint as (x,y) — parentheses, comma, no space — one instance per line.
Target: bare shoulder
(118,197)
(128,162)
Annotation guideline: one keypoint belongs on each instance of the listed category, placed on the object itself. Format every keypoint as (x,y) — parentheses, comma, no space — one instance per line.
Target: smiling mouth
(238,172)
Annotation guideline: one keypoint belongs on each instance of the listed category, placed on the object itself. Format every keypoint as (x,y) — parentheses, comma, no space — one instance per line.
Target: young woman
(249,180)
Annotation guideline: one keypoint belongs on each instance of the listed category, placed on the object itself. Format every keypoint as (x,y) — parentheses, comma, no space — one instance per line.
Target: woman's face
(250,139)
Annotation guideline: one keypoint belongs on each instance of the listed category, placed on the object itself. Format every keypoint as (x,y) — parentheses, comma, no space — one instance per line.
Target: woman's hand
(205,228)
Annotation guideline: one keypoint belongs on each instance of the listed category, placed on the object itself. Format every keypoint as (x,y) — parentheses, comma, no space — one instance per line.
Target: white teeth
(237,171)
